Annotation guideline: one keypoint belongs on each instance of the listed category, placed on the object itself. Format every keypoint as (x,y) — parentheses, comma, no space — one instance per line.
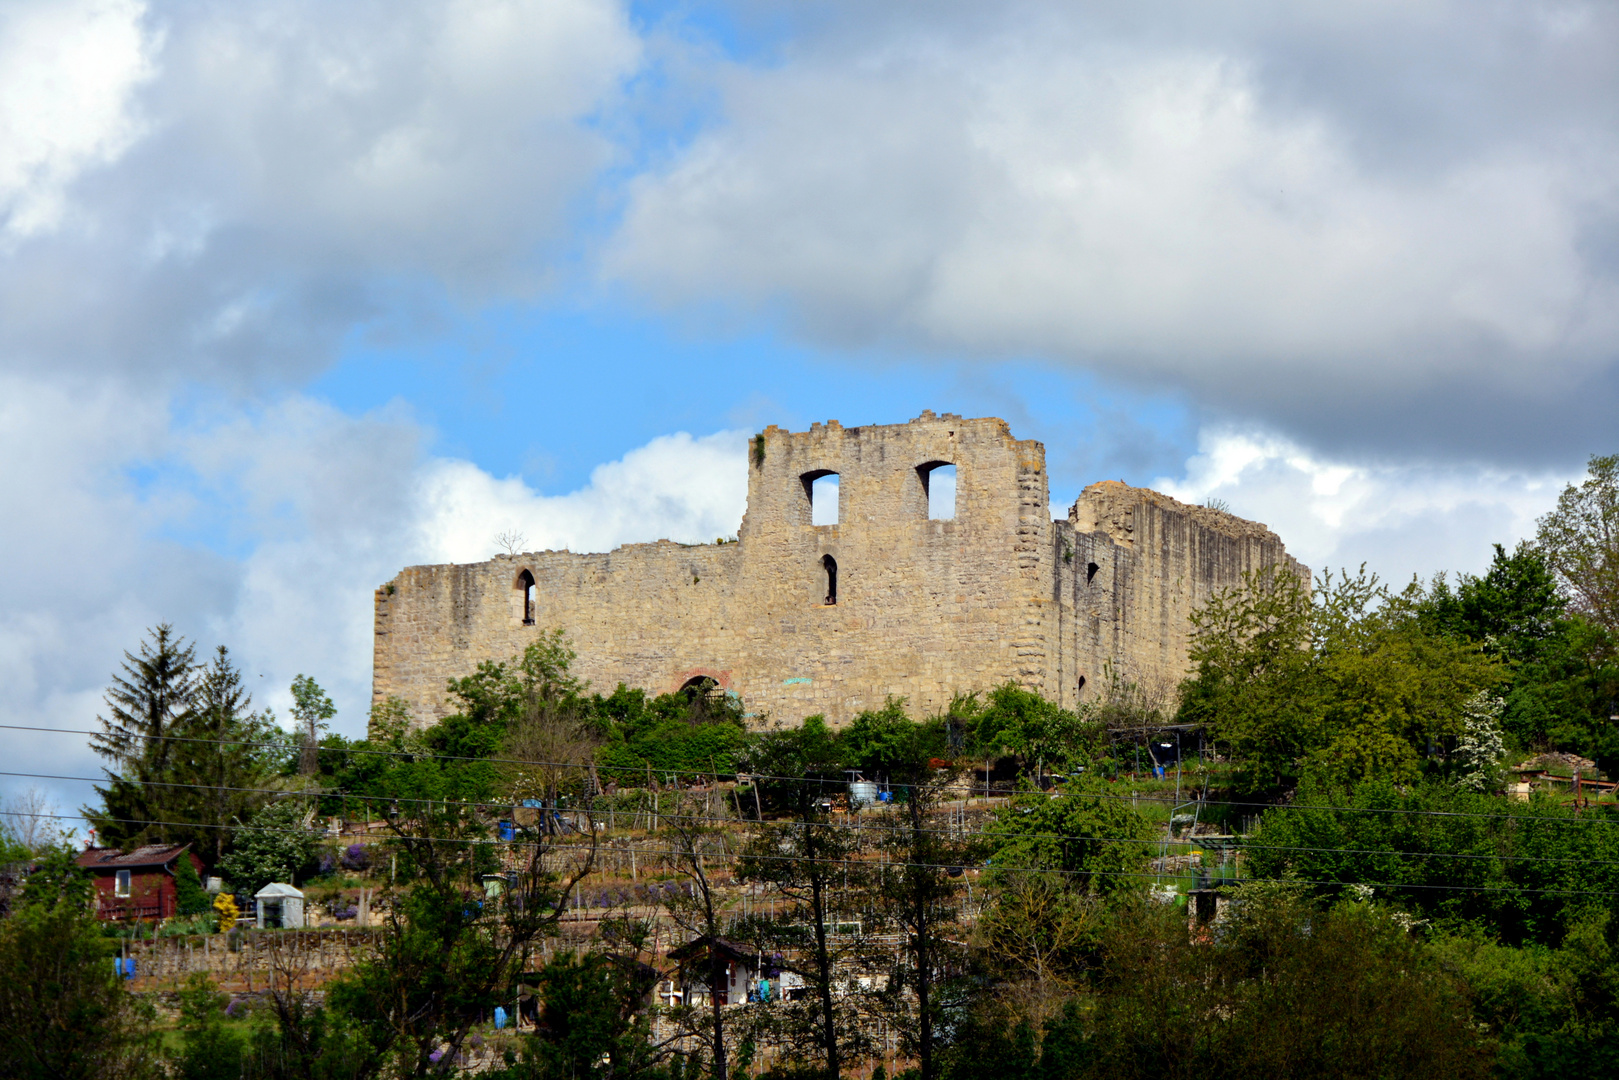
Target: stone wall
(924,608)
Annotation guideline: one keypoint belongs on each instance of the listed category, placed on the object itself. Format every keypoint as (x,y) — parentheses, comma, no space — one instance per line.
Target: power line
(874,827)
(714,777)
(732,856)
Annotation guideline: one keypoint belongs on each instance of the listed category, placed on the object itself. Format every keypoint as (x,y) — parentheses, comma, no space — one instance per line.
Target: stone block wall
(924,608)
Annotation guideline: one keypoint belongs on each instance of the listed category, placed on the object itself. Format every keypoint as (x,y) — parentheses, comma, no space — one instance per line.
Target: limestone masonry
(799,618)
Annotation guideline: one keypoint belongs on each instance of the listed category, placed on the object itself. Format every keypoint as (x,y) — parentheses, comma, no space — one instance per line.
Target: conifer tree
(146,706)
(226,765)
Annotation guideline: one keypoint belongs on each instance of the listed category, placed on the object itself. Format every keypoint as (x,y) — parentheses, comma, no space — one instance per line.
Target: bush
(355,857)
(190,896)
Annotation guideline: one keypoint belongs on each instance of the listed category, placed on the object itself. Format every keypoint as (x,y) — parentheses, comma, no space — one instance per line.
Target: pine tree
(226,765)
(146,705)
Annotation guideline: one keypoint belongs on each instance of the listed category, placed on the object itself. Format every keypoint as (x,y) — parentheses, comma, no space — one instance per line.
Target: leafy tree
(887,743)
(276,844)
(311,709)
(1099,843)
(1353,682)
(62,1012)
(447,956)
(1019,721)
(209,1049)
(146,706)
(592,1025)
(1288,989)
(1522,869)
(1581,541)
(1560,678)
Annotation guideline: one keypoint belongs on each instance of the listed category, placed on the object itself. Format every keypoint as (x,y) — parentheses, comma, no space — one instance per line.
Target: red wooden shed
(137,885)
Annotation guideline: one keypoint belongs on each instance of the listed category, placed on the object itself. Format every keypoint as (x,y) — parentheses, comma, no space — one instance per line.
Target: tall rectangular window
(824,500)
(942,493)
(121,883)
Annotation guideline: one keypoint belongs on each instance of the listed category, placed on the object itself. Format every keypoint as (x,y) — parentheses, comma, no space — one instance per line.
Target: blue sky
(295,294)
(552,393)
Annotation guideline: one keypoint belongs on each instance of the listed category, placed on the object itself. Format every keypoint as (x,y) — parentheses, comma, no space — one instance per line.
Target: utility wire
(732,856)
(874,827)
(862,826)
(638,771)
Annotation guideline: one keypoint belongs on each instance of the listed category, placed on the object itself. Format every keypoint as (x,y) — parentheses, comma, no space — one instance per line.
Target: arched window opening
(1082,682)
(699,687)
(821,488)
(1090,572)
(525,583)
(831,566)
(939,485)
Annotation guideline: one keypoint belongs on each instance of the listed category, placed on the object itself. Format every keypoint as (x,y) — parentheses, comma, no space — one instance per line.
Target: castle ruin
(799,618)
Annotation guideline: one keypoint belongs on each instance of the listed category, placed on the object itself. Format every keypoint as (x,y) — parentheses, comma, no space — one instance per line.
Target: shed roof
(698,947)
(276,890)
(152,855)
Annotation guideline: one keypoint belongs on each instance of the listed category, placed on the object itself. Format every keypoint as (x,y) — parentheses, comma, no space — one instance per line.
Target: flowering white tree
(1480,749)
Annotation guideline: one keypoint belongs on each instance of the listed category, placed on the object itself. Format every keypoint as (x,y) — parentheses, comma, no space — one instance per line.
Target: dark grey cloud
(1381,228)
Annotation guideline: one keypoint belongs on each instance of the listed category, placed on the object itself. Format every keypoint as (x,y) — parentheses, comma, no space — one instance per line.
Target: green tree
(1019,721)
(63,1013)
(209,1049)
(276,844)
(189,895)
(311,711)
(448,955)
(1560,679)
(1580,538)
(225,765)
(1287,989)
(1101,844)
(1352,681)
(592,1025)
(147,705)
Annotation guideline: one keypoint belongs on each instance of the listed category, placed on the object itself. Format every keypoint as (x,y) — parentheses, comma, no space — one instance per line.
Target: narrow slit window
(830,565)
(525,584)
(824,499)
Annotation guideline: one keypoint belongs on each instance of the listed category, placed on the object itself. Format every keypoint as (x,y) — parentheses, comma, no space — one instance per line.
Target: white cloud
(1400,519)
(1170,210)
(676,487)
(298,168)
(267,530)
(68,69)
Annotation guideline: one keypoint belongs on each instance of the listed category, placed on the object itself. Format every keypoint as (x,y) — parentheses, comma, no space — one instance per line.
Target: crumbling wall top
(1109,506)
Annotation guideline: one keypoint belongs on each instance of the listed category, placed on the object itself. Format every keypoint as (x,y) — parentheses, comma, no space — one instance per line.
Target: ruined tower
(799,618)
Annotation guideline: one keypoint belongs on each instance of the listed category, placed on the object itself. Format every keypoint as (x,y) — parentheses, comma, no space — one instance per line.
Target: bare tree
(695,846)
(30,818)
(510,541)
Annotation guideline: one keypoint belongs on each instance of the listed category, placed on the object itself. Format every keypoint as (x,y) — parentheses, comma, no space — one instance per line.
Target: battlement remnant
(801,618)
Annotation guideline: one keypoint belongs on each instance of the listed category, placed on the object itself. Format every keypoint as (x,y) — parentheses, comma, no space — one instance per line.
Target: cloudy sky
(293,294)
